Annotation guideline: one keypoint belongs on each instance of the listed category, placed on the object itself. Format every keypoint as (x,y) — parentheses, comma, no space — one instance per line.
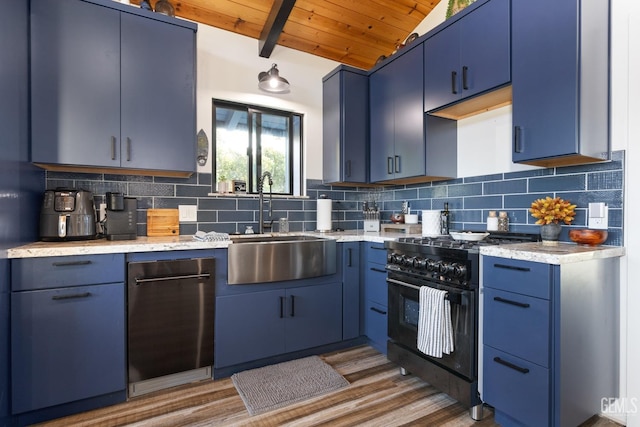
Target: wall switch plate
(598,216)
(187,213)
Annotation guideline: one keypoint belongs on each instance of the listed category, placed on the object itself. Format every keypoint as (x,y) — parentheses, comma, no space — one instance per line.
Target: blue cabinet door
(314,316)
(75,83)
(407,87)
(544,76)
(345,113)
(485,48)
(442,68)
(158,95)
(381,124)
(249,327)
(470,56)
(375,325)
(396,121)
(350,290)
(68,344)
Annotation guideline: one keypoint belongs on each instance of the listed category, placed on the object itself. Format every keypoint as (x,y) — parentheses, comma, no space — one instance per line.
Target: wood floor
(378,396)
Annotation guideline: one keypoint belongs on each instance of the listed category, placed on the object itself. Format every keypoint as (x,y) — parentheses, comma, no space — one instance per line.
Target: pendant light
(270,81)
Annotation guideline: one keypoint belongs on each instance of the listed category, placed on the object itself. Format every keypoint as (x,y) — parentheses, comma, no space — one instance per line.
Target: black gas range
(448,265)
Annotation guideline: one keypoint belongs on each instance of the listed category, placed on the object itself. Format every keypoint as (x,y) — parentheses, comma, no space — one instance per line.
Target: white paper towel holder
(323,217)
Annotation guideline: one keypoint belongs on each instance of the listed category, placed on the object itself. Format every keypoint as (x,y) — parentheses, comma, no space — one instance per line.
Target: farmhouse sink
(273,258)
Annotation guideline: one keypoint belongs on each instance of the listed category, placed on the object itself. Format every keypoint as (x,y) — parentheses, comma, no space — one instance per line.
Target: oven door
(404,310)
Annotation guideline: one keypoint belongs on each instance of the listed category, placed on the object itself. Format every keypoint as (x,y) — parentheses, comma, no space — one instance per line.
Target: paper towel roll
(430,223)
(323,219)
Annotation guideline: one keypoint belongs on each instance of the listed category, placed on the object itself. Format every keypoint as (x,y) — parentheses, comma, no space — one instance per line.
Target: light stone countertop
(563,253)
(178,243)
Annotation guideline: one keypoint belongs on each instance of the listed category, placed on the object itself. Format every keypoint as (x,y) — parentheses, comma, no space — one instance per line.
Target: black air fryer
(67,214)
(120,223)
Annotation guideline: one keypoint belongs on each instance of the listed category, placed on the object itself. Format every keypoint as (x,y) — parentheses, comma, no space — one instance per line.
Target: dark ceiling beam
(273,27)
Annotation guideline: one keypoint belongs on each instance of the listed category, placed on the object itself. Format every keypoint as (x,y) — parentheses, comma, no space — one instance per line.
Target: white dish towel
(435,333)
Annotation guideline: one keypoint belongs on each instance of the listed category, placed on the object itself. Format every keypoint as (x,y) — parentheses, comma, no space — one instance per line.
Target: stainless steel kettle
(67,214)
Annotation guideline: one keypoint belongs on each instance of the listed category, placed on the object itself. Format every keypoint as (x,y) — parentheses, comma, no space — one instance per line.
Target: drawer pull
(508,301)
(377,248)
(71,296)
(378,270)
(70,263)
(511,267)
(511,365)
(377,310)
(281,307)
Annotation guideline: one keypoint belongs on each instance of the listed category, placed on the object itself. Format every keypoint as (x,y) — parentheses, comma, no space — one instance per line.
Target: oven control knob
(459,270)
(432,265)
(408,261)
(446,269)
(389,258)
(420,263)
(396,259)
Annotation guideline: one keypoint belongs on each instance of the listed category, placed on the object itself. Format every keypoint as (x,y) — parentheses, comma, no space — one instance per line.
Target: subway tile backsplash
(470,199)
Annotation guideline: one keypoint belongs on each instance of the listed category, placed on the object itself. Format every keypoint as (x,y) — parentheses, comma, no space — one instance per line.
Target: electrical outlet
(598,216)
(187,213)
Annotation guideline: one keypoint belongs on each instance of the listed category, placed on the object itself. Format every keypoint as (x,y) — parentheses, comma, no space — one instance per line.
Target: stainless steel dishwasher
(170,310)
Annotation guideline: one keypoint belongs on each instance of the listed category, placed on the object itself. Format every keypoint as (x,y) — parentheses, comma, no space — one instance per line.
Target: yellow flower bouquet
(552,210)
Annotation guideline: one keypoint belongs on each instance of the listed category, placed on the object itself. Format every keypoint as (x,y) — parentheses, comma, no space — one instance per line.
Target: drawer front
(375,325)
(517,324)
(516,387)
(375,284)
(55,272)
(376,253)
(523,277)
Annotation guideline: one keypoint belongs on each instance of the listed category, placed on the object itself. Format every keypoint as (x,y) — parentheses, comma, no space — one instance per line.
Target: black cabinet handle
(518,139)
(379,270)
(389,165)
(465,71)
(454,77)
(113,148)
(128,149)
(293,306)
(377,310)
(281,307)
(348,168)
(349,262)
(71,296)
(511,267)
(397,164)
(508,301)
(377,248)
(70,263)
(511,365)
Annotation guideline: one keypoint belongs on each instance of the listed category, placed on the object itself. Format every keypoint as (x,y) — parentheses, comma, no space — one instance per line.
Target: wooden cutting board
(163,222)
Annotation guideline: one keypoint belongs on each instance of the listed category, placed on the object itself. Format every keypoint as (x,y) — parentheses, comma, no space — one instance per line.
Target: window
(250,140)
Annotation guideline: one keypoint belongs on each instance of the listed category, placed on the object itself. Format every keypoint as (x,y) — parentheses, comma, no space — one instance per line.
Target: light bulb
(273,82)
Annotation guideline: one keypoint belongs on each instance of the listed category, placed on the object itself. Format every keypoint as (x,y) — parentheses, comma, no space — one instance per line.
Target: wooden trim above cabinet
(488,101)
(113,171)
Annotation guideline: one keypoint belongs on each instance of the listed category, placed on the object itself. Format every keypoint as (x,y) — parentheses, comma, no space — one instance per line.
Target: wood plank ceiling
(353,32)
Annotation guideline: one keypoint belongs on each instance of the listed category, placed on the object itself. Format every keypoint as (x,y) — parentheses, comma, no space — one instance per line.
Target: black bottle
(444,220)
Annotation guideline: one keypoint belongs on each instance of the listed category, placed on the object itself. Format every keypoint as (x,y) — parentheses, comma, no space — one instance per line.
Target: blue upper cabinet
(345,112)
(396,118)
(469,56)
(112,86)
(560,82)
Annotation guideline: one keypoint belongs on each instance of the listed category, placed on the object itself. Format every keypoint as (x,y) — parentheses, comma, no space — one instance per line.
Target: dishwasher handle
(167,278)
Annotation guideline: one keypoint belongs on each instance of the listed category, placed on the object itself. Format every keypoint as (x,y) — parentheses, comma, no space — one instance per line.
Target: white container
(411,218)
(430,223)
(323,215)
(492,221)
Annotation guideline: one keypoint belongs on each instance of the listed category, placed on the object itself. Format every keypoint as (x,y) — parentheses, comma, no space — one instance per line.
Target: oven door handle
(398,282)
(452,297)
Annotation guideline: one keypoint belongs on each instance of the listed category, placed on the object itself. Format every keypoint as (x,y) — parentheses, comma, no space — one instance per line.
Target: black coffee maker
(120,217)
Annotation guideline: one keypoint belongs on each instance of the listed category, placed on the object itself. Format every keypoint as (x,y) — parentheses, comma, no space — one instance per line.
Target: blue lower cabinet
(256,325)
(351,290)
(375,296)
(375,325)
(518,389)
(68,344)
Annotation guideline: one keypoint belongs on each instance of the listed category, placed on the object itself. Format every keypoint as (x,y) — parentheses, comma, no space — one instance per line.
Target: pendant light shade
(270,81)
